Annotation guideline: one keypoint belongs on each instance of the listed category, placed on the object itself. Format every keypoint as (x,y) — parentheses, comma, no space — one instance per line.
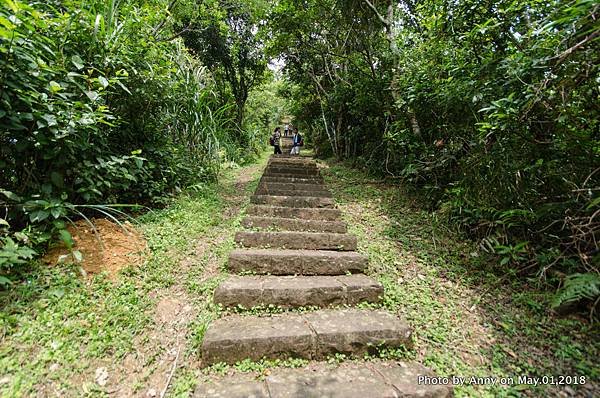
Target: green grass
(58,327)
(469,318)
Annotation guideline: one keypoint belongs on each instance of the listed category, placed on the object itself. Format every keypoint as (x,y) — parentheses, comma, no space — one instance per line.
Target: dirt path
(166,347)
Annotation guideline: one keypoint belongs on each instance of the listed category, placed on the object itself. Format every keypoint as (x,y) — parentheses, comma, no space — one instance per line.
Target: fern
(578,287)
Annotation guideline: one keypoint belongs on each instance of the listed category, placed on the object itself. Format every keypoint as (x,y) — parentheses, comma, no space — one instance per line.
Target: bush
(96,107)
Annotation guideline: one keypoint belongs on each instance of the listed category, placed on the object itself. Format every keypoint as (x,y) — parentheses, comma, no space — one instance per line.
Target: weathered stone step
(290,173)
(312,335)
(384,379)
(294,165)
(296,262)
(279,192)
(292,180)
(287,156)
(297,240)
(290,212)
(292,186)
(293,201)
(297,291)
(295,224)
(299,169)
(292,160)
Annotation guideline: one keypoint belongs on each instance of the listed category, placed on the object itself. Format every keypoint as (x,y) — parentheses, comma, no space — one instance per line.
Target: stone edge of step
(312,335)
(357,380)
(298,290)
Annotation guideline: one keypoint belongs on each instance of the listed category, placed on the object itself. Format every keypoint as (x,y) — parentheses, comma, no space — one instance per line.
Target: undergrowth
(57,326)
(470,317)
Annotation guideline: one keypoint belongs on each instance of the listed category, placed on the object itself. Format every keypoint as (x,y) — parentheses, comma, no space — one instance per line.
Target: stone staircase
(297,253)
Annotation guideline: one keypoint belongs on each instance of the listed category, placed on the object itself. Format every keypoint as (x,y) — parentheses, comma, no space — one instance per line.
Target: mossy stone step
(292,186)
(296,262)
(280,192)
(292,180)
(294,224)
(297,291)
(293,164)
(297,240)
(293,201)
(292,160)
(311,335)
(285,172)
(290,212)
(381,379)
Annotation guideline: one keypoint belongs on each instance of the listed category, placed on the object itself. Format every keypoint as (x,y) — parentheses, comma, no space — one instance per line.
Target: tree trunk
(390,34)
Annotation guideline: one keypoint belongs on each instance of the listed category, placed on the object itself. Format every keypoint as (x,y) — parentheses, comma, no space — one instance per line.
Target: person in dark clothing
(297,142)
(276,139)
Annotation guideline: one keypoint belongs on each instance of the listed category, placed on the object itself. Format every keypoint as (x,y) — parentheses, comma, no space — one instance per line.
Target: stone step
(297,240)
(286,156)
(292,170)
(290,162)
(290,212)
(294,224)
(292,186)
(311,335)
(296,262)
(292,180)
(294,165)
(293,201)
(293,160)
(278,192)
(375,379)
(315,178)
(297,291)
(293,173)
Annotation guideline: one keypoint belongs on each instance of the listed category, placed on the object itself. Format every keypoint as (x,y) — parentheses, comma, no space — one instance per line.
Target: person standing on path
(286,128)
(297,142)
(276,139)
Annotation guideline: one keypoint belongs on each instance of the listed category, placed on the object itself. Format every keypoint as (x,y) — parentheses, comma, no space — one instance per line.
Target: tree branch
(384,21)
(164,21)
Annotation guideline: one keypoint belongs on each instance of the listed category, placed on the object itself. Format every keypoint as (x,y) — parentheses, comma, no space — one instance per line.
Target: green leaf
(57,179)
(103,81)
(66,237)
(56,212)
(55,87)
(11,195)
(92,95)
(38,215)
(593,203)
(77,61)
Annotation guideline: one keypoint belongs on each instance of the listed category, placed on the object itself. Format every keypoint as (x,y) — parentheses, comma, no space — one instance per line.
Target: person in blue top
(297,142)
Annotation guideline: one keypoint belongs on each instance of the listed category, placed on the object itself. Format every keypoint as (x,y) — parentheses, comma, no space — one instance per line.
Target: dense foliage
(101,103)
(489,107)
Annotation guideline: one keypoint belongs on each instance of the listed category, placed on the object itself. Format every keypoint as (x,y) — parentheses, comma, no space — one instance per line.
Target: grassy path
(468,320)
(63,335)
